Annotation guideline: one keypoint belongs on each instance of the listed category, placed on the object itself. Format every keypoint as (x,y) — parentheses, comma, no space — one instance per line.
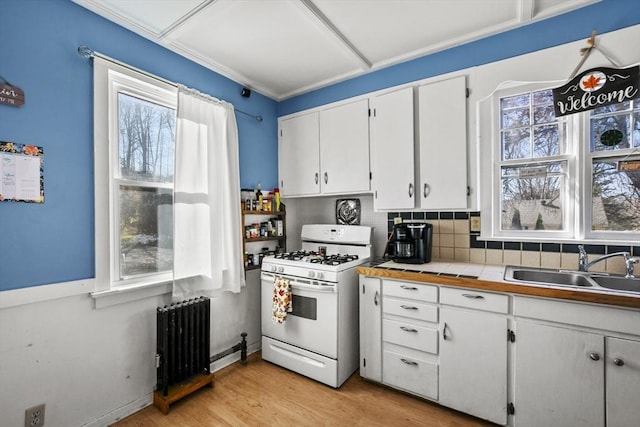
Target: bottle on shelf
(258,197)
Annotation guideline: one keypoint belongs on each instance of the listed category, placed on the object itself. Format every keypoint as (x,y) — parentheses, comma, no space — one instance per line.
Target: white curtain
(207,234)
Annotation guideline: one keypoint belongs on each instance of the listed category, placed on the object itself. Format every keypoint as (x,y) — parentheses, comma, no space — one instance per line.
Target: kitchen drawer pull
(409,362)
(618,362)
(375,298)
(594,356)
(409,307)
(473,296)
(444,331)
(409,288)
(404,328)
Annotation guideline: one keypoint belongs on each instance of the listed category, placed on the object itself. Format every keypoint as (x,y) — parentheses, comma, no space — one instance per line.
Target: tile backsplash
(453,240)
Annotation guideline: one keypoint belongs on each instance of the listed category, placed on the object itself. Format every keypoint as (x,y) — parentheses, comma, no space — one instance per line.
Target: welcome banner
(596,88)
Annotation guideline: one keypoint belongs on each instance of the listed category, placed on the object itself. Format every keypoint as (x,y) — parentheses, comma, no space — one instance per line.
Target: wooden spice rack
(282,240)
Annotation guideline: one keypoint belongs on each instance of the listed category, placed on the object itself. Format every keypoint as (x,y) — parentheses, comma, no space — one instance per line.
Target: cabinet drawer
(410,374)
(469,298)
(417,291)
(408,335)
(410,309)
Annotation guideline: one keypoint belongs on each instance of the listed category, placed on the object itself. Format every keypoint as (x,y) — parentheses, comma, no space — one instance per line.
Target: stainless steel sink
(560,278)
(574,279)
(618,283)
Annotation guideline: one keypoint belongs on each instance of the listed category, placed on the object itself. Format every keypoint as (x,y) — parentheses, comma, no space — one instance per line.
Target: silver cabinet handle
(473,296)
(409,362)
(404,328)
(425,190)
(409,288)
(326,178)
(594,356)
(408,307)
(316,177)
(410,189)
(618,362)
(444,331)
(375,298)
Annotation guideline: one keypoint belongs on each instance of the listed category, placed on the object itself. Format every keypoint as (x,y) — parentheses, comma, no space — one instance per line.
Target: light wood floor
(263,394)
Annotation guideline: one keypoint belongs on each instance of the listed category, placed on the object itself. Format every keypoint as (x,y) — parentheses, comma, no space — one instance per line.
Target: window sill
(126,294)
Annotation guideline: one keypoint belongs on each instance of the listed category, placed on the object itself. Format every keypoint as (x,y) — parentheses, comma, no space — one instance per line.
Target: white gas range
(319,337)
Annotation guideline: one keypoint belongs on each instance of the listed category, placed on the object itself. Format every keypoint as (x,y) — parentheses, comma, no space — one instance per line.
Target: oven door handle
(295,284)
(313,288)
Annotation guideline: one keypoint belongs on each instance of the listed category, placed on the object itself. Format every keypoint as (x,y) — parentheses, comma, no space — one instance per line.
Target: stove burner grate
(316,258)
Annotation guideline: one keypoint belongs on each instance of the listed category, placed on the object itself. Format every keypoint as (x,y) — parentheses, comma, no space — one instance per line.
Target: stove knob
(320,275)
(280,269)
(273,268)
(312,274)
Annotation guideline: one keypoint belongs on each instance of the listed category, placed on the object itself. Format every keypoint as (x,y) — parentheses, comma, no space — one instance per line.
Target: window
(135,121)
(614,167)
(533,167)
(572,177)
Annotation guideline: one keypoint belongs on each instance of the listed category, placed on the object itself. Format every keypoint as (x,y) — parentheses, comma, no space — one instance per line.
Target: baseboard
(147,400)
(122,412)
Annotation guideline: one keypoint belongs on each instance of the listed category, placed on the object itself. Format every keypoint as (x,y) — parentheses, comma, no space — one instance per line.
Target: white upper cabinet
(392,144)
(325,152)
(442,112)
(344,148)
(299,155)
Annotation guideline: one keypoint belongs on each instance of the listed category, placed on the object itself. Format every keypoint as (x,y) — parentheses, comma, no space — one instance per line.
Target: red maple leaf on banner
(592,82)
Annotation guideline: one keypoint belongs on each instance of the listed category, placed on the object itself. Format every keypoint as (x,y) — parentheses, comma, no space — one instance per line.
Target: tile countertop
(491,278)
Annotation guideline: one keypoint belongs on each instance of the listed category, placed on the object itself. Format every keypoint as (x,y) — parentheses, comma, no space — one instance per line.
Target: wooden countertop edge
(463,282)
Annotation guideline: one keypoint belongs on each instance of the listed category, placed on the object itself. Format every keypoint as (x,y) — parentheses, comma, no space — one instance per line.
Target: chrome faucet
(629,261)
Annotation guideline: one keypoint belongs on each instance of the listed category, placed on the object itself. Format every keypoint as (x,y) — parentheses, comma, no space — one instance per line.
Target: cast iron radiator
(182,341)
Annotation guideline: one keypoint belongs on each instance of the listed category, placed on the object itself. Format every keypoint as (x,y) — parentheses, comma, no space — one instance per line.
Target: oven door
(313,323)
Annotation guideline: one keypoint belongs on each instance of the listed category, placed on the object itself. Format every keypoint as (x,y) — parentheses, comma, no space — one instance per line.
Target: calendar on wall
(21,173)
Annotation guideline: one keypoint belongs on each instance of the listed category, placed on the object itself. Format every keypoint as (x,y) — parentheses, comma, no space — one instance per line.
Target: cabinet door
(299,155)
(559,377)
(392,158)
(623,382)
(370,329)
(473,363)
(442,124)
(344,148)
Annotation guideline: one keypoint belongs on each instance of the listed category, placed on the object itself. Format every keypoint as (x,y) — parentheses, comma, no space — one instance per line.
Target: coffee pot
(410,243)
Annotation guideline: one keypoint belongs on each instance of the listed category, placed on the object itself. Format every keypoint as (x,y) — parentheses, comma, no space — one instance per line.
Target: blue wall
(603,17)
(54,242)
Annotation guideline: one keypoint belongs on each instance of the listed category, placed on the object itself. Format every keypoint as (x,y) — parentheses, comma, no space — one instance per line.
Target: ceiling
(283,48)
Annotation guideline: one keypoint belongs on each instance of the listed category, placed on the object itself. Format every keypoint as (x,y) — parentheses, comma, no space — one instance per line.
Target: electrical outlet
(34,416)
(474,224)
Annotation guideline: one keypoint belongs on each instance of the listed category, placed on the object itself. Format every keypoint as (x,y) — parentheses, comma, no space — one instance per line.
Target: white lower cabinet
(473,355)
(622,372)
(511,359)
(370,328)
(570,369)
(559,377)
(410,337)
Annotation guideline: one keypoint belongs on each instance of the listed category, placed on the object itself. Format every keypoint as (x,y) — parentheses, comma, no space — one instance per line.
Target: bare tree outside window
(146,161)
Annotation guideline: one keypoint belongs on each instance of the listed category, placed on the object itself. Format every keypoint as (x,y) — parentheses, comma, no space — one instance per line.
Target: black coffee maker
(410,243)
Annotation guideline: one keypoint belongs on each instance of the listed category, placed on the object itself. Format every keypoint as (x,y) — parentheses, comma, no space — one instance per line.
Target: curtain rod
(86,52)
